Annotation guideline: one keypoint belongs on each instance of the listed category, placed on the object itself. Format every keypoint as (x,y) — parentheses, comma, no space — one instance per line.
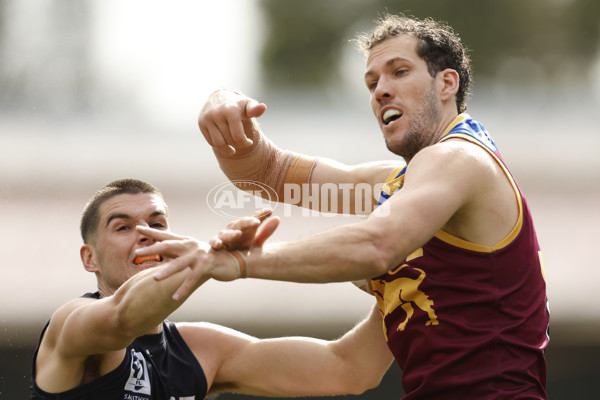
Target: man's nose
(383,91)
(143,239)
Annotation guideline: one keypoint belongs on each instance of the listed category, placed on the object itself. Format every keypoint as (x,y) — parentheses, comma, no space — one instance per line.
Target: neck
(444,125)
(439,131)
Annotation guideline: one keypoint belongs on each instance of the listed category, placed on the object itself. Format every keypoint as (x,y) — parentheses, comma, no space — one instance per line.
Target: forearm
(265,163)
(363,250)
(144,302)
(315,183)
(346,253)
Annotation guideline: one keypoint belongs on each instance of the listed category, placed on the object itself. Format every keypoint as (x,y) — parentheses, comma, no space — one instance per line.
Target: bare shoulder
(58,319)
(468,176)
(57,368)
(455,149)
(454,161)
(83,327)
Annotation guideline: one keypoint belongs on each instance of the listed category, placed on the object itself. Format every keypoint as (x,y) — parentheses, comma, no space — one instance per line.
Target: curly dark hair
(90,218)
(438,46)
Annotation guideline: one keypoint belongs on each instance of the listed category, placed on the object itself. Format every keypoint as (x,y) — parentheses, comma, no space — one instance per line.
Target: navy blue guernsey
(156,367)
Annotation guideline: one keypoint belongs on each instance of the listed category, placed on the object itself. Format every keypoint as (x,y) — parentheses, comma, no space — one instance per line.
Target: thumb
(265,231)
(254,109)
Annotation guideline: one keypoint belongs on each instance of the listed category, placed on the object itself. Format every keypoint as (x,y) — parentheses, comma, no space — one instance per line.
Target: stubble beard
(422,130)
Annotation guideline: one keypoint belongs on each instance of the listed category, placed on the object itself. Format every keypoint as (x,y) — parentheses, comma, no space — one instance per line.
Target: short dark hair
(438,46)
(90,217)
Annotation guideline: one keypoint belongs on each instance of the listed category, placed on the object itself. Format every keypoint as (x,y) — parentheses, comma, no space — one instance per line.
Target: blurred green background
(95,91)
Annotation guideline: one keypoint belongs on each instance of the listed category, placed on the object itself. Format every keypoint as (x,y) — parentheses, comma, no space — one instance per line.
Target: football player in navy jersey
(115,343)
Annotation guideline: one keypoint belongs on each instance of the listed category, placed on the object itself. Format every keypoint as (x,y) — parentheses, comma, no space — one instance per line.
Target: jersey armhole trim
(458,242)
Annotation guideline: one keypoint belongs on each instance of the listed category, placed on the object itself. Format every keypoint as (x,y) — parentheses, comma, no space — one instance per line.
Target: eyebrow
(389,62)
(127,216)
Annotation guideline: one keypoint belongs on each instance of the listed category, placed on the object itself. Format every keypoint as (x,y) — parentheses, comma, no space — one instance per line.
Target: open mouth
(147,259)
(390,115)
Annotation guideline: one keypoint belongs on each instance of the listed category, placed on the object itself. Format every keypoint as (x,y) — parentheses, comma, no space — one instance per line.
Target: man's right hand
(226,120)
(187,252)
(247,232)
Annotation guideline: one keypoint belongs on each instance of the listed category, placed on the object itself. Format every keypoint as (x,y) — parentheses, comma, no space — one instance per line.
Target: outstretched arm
(228,123)
(440,189)
(104,328)
(294,366)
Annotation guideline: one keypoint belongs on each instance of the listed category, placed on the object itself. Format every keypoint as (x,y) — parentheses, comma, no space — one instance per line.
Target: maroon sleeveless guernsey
(466,321)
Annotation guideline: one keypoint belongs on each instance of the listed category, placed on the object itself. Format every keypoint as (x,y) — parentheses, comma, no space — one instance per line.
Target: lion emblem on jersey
(404,292)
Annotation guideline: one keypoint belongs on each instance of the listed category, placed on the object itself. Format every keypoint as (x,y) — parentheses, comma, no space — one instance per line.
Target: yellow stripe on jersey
(392,183)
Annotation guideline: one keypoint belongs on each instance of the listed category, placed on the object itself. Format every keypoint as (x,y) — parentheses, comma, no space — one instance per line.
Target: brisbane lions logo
(404,292)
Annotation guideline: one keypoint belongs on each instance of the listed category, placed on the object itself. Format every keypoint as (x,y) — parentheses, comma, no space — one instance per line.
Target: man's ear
(449,81)
(88,258)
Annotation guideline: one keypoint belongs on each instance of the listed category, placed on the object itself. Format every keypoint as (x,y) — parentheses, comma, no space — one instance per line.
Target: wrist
(241,263)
